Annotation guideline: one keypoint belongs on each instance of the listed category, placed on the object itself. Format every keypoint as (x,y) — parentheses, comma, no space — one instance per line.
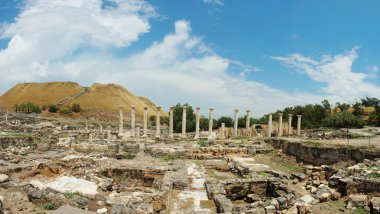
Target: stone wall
(322,155)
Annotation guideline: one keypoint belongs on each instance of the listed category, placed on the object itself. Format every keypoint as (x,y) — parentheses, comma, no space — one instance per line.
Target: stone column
(86,127)
(290,124)
(197,119)
(6,117)
(90,138)
(158,130)
(121,117)
(299,125)
(210,120)
(270,125)
(280,125)
(247,122)
(171,121)
(145,122)
(236,122)
(101,128)
(223,130)
(108,135)
(138,131)
(183,121)
(133,121)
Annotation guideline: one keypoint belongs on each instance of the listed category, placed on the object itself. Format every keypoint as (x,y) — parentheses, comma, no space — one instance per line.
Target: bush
(49,206)
(53,108)
(202,143)
(64,111)
(28,108)
(75,108)
(70,195)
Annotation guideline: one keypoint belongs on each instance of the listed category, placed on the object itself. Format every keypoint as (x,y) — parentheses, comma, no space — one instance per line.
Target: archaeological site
(136,157)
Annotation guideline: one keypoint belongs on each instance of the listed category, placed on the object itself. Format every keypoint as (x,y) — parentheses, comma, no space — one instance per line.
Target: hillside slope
(101,98)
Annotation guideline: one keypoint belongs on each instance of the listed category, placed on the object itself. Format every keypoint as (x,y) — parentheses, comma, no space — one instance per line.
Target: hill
(103,99)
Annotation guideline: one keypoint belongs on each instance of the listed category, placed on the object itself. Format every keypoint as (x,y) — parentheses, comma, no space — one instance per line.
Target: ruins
(76,166)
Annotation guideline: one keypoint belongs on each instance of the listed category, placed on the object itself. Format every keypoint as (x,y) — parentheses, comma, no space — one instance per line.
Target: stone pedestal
(171,122)
(145,122)
(247,122)
(223,131)
(121,118)
(158,129)
(290,130)
(236,122)
(109,135)
(280,129)
(299,125)
(210,121)
(183,135)
(133,121)
(270,125)
(197,119)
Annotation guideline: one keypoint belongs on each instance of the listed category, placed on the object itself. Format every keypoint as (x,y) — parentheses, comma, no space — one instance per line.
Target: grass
(16,134)
(337,204)
(313,143)
(70,195)
(373,175)
(121,178)
(49,206)
(211,174)
(32,143)
(202,143)
(129,156)
(359,211)
(263,174)
(168,157)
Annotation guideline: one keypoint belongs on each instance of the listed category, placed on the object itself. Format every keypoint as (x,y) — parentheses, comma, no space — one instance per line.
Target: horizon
(225,54)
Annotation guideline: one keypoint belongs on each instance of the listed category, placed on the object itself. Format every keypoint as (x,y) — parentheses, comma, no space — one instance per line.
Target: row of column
(183,134)
(280,131)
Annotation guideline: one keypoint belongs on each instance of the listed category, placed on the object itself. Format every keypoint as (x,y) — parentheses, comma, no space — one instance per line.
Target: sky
(226,54)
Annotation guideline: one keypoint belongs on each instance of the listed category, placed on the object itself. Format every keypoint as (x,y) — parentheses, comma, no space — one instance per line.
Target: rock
(375,205)
(35,193)
(3,178)
(303,208)
(367,162)
(308,199)
(81,201)
(70,184)
(106,184)
(270,209)
(37,184)
(70,209)
(313,190)
(275,203)
(117,209)
(102,210)
(282,203)
(357,201)
(223,204)
(324,197)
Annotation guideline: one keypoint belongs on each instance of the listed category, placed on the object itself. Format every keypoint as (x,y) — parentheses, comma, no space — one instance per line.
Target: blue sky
(259,55)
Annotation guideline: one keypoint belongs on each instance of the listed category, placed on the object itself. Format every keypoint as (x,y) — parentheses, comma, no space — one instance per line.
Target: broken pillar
(236,122)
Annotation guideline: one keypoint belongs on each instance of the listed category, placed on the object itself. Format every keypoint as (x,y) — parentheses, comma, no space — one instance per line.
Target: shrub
(70,195)
(64,111)
(202,143)
(168,157)
(53,108)
(49,206)
(75,108)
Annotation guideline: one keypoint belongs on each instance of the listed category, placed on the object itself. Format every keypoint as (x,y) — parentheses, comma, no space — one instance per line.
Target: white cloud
(372,71)
(217,2)
(336,72)
(75,40)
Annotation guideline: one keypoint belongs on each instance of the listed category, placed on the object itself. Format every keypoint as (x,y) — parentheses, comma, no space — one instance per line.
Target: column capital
(121,107)
(171,107)
(299,115)
(133,107)
(184,107)
(198,108)
(145,108)
(248,110)
(270,113)
(158,108)
(290,115)
(236,110)
(280,114)
(211,108)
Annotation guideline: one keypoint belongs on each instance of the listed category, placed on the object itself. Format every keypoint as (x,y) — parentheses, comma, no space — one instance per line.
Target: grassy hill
(103,99)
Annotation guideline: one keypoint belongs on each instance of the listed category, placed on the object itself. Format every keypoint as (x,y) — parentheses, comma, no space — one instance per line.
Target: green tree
(228,121)
(177,118)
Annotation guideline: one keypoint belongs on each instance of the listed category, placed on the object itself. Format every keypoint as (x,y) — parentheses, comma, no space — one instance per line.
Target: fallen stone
(3,178)
(69,184)
(270,209)
(102,210)
(308,199)
(357,201)
(69,209)
(375,205)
